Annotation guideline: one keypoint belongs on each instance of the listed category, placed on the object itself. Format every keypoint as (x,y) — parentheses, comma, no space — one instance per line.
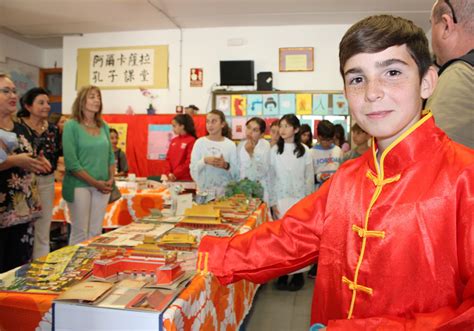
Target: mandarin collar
(417,143)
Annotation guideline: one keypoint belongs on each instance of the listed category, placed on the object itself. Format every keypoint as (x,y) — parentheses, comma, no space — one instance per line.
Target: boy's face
(325,143)
(384,92)
(360,137)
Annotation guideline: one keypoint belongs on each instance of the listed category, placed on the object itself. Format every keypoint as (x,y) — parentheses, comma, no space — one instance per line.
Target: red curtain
(137,140)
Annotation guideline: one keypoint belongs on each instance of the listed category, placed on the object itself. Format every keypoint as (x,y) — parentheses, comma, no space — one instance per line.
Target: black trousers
(16,246)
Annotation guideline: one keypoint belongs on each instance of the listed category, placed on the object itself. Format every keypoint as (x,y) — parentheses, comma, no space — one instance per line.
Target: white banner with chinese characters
(123,67)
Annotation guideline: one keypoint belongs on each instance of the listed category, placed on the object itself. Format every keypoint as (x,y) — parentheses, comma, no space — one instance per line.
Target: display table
(203,304)
(133,204)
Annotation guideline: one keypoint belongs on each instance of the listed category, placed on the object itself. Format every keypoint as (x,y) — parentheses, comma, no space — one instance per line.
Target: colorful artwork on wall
(303,104)
(238,105)
(159,138)
(287,104)
(254,105)
(320,104)
(223,104)
(238,127)
(339,105)
(270,105)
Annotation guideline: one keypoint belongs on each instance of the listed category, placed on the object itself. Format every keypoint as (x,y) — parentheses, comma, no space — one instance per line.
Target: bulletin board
(309,106)
(123,67)
(25,76)
(137,140)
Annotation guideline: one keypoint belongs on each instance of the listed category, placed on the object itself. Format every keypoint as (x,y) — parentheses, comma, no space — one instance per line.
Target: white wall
(20,51)
(52,58)
(204,48)
(24,58)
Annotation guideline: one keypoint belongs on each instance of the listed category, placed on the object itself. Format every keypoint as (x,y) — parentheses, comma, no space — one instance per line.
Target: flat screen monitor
(237,73)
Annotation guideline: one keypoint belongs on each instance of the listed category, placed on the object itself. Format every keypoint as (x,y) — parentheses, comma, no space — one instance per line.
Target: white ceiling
(44,22)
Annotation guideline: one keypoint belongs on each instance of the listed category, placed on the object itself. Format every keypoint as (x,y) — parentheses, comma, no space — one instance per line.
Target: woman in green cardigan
(90,165)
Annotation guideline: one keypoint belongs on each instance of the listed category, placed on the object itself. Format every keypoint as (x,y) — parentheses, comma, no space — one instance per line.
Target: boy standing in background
(361,140)
(327,156)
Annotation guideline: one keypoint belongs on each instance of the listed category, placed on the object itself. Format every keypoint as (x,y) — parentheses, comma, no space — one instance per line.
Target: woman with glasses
(19,198)
(45,140)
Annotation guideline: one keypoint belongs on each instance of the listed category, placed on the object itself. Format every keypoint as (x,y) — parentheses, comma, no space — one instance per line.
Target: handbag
(115,193)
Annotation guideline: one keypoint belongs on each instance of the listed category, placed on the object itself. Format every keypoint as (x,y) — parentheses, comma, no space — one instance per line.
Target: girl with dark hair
(292,178)
(306,135)
(45,139)
(121,163)
(178,157)
(253,154)
(214,157)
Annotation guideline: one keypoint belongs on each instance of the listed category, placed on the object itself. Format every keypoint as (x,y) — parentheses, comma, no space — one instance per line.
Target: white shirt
(255,167)
(326,161)
(290,177)
(206,176)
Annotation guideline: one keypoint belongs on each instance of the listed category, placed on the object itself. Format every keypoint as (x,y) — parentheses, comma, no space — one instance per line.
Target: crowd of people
(82,152)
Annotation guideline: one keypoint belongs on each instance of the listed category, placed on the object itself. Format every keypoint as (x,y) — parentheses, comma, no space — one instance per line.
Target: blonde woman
(90,165)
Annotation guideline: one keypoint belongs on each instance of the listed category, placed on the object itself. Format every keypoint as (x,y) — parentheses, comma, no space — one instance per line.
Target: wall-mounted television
(237,73)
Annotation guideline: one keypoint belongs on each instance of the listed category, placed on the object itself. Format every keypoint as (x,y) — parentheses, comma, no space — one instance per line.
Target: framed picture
(196,77)
(296,59)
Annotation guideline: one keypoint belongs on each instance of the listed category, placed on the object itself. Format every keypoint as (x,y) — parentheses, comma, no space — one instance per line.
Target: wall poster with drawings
(25,76)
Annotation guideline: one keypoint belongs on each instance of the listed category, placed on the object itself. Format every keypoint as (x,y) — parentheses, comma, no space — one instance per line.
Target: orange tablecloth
(204,304)
(132,205)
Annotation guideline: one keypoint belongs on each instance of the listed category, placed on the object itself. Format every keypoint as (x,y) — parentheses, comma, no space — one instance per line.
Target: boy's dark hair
(193,107)
(326,129)
(188,123)
(112,130)
(260,122)
(377,33)
(28,98)
(306,128)
(226,132)
(292,120)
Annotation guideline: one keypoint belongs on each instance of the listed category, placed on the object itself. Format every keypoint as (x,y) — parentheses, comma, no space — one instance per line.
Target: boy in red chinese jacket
(392,230)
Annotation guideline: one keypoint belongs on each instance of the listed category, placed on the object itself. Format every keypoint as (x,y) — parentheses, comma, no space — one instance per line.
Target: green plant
(251,189)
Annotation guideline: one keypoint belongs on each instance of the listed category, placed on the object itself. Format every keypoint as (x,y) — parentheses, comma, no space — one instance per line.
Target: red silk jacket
(394,242)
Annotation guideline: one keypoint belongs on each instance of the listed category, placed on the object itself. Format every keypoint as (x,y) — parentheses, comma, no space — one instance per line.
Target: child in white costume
(292,179)
(214,157)
(253,154)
